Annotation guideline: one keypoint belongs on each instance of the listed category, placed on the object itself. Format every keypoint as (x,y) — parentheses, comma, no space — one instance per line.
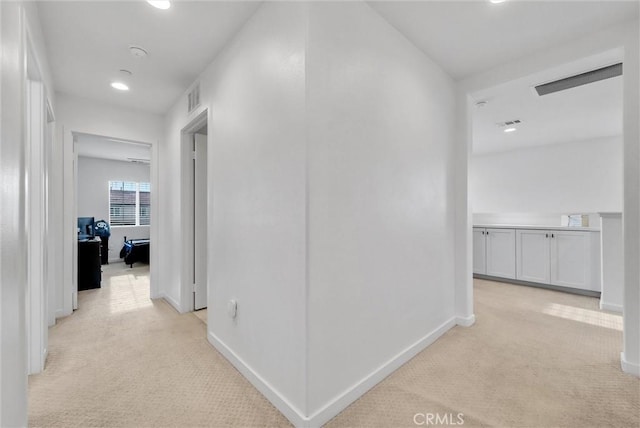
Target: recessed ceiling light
(497,1)
(126,72)
(481,104)
(137,51)
(510,130)
(119,86)
(160,4)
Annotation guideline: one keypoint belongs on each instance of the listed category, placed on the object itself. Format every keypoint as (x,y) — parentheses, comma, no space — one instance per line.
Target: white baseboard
(294,415)
(610,307)
(341,401)
(627,367)
(60,313)
(466,321)
(171,301)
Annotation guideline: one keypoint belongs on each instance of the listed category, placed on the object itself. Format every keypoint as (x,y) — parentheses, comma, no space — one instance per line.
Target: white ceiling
(94,146)
(88,41)
(469,37)
(87,44)
(577,114)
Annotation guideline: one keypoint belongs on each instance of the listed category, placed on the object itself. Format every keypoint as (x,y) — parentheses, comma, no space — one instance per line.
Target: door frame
(187,303)
(201,219)
(38,113)
(70,204)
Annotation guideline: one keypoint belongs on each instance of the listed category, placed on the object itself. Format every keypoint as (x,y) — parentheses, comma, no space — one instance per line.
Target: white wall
(19,28)
(630,355)
(75,114)
(93,195)
(330,191)
(13,345)
(612,262)
(576,177)
(381,246)
(255,92)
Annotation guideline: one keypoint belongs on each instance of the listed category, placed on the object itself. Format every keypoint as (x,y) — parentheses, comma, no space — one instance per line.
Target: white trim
(610,307)
(627,367)
(171,301)
(35,169)
(154,226)
(341,401)
(70,210)
(70,228)
(200,117)
(611,215)
(346,398)
(281,403)
(466,321)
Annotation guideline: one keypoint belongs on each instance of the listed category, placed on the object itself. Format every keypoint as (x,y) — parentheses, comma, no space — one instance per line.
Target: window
(129,203)
(144,203)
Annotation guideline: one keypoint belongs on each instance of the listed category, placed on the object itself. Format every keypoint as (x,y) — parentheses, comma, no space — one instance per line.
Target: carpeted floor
(534,358)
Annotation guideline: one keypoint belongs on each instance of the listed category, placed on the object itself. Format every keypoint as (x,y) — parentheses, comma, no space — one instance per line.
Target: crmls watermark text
(438,419)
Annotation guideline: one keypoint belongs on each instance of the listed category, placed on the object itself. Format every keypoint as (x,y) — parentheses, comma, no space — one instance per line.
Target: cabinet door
(501,252)
(571,259)
(479,251)
(532,255)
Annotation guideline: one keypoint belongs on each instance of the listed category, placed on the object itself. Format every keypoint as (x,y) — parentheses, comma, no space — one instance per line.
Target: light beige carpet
(202,315)
(122,360)
(534,358)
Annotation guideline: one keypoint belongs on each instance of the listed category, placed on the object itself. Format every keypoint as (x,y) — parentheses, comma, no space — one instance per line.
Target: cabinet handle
(487,232)
(552,235)
(546,235)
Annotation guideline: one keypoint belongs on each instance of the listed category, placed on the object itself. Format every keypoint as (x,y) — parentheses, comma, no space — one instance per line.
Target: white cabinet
(571,259)
(532,256)
(494,252)
(557,257)
(479,251)
(501,252)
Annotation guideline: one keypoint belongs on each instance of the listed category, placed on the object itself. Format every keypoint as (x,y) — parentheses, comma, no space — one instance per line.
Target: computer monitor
(86,228)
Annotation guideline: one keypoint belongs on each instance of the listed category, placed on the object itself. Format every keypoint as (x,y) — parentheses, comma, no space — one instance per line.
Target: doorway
(113,211)
(545,163)
(195,214)
(537,143)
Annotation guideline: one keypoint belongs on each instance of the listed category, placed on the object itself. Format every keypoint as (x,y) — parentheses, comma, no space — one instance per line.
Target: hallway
(534,357)
(124,360)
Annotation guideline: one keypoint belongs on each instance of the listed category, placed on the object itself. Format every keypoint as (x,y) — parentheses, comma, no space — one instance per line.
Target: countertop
(538,227)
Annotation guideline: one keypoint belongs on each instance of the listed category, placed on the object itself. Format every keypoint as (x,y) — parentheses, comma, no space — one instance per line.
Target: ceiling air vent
(580,79)
(193,99)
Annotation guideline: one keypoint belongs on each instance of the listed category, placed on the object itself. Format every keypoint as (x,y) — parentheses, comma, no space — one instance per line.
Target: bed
(135,250)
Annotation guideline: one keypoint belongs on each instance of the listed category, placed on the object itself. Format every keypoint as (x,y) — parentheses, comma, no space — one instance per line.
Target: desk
(89,265)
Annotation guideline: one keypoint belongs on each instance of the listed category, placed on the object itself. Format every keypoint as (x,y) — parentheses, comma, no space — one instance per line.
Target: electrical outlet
(232,308)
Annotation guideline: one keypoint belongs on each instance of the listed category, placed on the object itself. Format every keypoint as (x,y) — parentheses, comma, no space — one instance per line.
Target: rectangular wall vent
(509,123)
(580,79)
(193,99)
